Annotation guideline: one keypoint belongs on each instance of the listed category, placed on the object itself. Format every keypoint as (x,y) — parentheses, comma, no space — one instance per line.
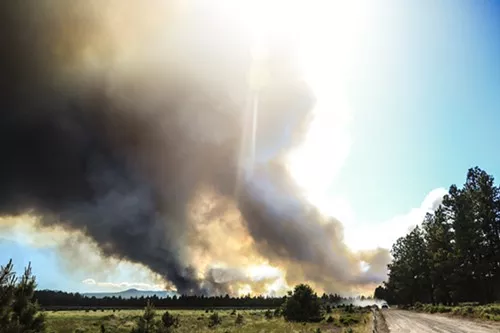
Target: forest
(454,255)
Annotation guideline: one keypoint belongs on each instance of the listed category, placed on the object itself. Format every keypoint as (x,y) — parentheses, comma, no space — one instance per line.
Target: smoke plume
(116,118)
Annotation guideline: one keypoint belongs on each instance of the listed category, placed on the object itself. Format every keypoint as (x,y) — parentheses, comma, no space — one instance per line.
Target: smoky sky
(116,165)
(117,150)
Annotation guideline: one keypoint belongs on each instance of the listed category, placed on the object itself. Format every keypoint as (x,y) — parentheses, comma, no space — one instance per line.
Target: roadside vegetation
(471,310)
(454,256)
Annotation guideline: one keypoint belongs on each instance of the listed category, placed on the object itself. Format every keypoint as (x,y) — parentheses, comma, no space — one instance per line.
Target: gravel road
(400,321)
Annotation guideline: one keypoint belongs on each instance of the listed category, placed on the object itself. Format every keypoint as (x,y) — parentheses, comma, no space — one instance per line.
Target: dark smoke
(119,157)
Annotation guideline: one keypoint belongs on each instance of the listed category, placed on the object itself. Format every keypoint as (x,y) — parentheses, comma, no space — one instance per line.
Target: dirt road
(400,321)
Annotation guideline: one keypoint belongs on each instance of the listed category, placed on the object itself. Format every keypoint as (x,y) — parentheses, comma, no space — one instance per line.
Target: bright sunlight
(325,36)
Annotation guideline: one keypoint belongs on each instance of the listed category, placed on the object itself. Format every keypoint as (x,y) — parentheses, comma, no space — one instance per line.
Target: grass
(78,321)
(467,310)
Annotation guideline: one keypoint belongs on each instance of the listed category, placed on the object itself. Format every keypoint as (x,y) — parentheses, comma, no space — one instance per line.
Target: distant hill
(131,293)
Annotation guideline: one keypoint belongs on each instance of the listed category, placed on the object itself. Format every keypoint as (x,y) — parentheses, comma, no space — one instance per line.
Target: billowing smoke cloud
(115,117)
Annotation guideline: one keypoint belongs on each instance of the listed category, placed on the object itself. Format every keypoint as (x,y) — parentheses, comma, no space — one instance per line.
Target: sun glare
(331,33)
(326,36)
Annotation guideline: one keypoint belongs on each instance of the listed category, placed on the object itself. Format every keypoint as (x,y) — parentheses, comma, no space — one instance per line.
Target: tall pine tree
(455,256)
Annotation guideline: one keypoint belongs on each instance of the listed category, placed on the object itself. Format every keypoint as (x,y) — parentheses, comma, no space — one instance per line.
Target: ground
(197,321)
(401,321)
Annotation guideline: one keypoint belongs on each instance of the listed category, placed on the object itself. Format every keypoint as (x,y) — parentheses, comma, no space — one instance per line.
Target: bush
(348,320)
(490,312)
(169,320)
(214,320)
(444,309)
(233,313)
(277,312)
(302,305)
(268,314)
(239,319)
(330,319)
(146,322)
(328,308)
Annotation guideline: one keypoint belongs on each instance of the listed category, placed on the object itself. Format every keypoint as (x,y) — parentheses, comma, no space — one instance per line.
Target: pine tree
(439,242)
(455,257)
(484,196)
(302,305)
(18,310)
(146,323)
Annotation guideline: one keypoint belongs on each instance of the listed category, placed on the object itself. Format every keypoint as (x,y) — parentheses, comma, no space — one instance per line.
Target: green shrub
(239,319)
(169,320)
(302,305)
(472,310)
(214,320)
(444,309)
(348,320)
(146,322)
(492,309)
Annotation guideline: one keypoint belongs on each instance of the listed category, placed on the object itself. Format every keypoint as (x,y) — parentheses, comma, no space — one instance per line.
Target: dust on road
(400,321)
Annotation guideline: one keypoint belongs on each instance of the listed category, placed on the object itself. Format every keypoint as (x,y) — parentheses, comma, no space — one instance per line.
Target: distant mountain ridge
(129,293)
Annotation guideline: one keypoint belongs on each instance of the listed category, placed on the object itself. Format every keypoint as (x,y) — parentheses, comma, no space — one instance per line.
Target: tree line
(55,299)
(454,256)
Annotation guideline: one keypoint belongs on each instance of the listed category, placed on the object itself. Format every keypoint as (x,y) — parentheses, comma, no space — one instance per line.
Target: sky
(418,84)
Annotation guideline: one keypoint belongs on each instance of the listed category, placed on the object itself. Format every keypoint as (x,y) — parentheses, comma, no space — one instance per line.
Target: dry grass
(198,321)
